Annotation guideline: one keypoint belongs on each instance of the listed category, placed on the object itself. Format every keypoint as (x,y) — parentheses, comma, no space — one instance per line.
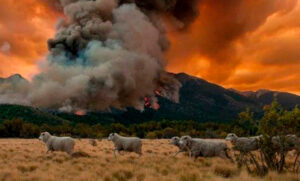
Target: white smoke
(103,55)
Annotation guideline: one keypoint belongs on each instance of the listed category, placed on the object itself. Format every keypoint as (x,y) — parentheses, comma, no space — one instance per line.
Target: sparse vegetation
(245,125)
(28,160)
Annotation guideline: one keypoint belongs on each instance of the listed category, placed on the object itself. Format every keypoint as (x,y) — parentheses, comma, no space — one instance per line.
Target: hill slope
(199,100)
(28,114)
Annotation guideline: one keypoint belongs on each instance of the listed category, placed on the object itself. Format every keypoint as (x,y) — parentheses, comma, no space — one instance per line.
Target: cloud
(245,44)
(26,26)
(103,55)
(241,44)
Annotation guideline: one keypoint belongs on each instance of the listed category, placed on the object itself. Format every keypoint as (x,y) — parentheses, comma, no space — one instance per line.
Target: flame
(147,102)
(80,113)
(158,92)
(150,104)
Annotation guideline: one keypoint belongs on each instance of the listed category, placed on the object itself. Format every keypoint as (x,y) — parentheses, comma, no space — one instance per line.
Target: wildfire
(80,113)
(148,101)
(158,92)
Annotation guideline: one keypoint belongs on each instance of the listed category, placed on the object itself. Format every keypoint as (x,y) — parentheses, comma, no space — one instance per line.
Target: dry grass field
(27,160)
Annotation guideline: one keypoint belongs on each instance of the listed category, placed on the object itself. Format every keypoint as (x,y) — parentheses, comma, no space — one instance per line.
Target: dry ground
(27,160)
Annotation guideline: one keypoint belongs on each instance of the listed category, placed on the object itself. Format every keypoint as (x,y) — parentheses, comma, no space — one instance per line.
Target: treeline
(162,129)
(275,119)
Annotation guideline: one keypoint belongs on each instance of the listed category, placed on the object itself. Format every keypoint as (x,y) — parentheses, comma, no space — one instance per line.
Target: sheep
(284,143)
(205,148)
(175,141)
(244,144)
(294,143)
(129,144)
(53,143)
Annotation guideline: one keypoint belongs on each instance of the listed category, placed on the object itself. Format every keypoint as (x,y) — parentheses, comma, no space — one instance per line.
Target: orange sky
(25,26)
(244,44)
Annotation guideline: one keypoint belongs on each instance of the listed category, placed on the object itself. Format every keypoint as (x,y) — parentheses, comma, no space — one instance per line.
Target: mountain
(263,96)
(200,101)
(17,78)
(28,114)
(204,101)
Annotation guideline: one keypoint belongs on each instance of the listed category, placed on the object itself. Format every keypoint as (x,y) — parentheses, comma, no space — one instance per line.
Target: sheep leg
(295,162)
(227,156)
(120,152)
(241,159)
(190,153)
(262,158)
(115,153)
(223,155)
(139,151)
(51,150)
(177,153)
(255,162)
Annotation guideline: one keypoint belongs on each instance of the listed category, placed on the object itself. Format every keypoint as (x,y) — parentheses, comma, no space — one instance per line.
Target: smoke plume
(104,54)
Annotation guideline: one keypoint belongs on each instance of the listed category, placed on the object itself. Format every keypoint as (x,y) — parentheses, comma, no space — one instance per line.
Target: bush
(29,130)
(169,133)
(151,135)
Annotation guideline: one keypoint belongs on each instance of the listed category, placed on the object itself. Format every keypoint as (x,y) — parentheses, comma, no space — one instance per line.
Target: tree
(29,130)
(13,127)
(275,125)
(169,132)
(245,125)
(83,130)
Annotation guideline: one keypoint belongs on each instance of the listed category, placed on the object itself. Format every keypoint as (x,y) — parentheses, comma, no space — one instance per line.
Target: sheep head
(175,140)
(231,137)
(44,136)
(186,141)
(112,136)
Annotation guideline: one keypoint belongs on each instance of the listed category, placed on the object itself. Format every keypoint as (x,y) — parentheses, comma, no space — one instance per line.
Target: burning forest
(105,53)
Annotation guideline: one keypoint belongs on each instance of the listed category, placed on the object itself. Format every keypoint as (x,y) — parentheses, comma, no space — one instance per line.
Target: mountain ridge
(200,101)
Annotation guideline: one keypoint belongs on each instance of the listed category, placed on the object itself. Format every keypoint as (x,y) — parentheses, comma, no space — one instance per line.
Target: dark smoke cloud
(184,10)
(104,54)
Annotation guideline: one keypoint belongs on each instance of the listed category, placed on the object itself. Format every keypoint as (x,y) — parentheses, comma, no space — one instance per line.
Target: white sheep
(284,143)
(129,144)
(293,143)
(175,141)
(205,148)
(54,143)
(244,144)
